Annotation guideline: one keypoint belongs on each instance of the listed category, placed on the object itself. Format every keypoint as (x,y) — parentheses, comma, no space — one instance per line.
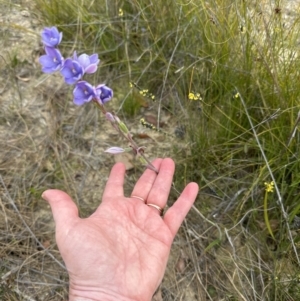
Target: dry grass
(223,252)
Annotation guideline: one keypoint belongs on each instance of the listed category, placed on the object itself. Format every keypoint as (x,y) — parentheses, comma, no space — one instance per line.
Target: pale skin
(120,252)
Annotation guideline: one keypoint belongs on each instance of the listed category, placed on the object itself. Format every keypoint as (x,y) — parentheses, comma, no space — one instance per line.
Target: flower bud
(115,150)
(110,117)
(123,127)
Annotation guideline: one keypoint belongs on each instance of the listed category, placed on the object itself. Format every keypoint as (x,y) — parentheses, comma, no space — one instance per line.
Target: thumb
(64,210)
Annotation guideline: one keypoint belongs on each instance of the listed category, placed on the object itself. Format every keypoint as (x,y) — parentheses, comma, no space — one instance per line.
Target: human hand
(120,252)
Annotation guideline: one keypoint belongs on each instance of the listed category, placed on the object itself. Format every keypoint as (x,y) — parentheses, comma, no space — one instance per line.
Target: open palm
(120,252)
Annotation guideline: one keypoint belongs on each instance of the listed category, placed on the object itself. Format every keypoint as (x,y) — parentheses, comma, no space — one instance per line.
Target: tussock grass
(240,242)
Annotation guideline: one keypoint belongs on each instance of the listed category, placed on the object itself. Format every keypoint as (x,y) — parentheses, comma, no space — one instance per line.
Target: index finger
(115,182)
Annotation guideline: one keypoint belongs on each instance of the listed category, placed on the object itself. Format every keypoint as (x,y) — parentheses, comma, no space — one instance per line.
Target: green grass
(243,60)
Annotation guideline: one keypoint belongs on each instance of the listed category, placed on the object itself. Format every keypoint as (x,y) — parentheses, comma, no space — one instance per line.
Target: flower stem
(128,137)
(266,216)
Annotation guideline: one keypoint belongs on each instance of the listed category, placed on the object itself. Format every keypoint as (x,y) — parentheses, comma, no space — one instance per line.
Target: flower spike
(73,69)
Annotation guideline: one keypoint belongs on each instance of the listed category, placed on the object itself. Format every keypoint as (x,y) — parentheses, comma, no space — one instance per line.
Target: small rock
(25,13)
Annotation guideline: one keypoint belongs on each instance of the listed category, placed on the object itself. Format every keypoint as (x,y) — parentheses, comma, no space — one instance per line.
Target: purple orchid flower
(72,71)
(51,37)
(83,92)
(52,60)
(104,94)
(88,62)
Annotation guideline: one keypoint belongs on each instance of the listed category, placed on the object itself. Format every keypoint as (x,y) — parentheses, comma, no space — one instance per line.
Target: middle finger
(159,193)
(145,182)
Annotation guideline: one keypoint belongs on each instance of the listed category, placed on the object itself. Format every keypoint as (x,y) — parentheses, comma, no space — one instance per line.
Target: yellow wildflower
(194,96)
(269,186)
(143,92)
(191,96)
(236,95)
(121,13)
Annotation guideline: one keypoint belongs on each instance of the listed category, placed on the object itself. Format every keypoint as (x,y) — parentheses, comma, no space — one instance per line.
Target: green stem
(266,216)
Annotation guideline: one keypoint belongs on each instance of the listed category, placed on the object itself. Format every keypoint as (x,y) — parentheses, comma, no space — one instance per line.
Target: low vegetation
(219,81)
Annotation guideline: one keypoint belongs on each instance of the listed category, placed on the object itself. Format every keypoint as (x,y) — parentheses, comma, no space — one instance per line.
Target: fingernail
(44,195)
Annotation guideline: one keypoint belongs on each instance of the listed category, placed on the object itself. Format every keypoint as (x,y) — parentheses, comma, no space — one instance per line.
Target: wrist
(88,295)
(98,298)
(98,291)
(75,298)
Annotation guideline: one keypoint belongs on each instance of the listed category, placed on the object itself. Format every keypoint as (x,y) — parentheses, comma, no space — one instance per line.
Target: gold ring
(160,210)
(139,198)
